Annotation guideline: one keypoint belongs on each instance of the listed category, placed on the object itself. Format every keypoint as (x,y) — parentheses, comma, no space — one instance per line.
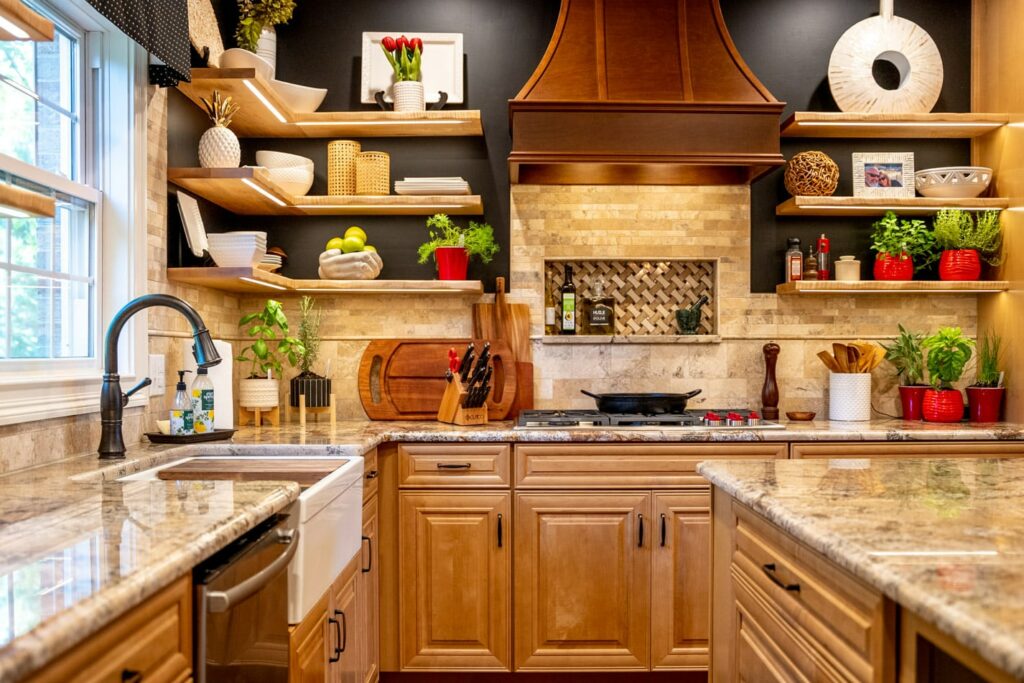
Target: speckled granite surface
(943,538)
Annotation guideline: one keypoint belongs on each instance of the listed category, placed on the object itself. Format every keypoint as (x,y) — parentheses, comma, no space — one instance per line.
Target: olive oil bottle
(568,324)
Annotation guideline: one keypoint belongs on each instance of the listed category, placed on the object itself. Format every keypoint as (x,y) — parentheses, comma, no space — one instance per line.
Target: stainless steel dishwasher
(241,608)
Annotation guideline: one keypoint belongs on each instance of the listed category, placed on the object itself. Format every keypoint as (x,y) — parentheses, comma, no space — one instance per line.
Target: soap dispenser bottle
(181,412)
(202,402)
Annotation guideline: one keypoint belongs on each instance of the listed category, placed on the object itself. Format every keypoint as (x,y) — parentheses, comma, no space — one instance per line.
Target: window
(66,108)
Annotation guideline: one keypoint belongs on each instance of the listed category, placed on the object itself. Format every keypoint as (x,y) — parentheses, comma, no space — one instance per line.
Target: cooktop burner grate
(691,419)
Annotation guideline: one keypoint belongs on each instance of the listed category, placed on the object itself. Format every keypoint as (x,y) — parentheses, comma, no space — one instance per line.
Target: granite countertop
(943,538)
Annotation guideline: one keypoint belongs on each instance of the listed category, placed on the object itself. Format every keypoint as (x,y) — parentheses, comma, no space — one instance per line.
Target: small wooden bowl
(801,415)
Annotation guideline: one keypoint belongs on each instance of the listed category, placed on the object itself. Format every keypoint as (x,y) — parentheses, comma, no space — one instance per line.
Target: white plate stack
(241,249)
(271,262)
(431,186)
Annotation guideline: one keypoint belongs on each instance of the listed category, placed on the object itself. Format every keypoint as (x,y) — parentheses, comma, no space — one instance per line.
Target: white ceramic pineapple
(218,147)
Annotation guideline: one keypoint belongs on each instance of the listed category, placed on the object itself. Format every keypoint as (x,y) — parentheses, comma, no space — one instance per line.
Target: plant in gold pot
(218,147)
(967,241)
(902,247)
(948,353)
(906,353)
(270,349)
(985,396)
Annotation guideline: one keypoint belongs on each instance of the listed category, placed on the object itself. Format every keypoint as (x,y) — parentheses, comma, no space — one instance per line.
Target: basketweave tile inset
(647,294)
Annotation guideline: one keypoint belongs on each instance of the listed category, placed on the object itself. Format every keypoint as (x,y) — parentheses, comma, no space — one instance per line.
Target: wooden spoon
(841,356)
(853,358)
(829,360)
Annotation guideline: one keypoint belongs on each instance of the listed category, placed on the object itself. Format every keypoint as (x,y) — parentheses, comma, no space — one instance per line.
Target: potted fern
(906,353)
(256,22)
(316,388)
(218,147)
(452,246)
(967,241)
(948,353)
(902,247)
(270,348)
(985,396)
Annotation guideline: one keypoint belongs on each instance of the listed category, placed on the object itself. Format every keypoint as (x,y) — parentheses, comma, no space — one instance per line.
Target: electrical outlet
(158,372)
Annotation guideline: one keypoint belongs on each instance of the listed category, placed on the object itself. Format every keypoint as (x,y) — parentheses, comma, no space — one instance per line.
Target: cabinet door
(454,581)
(582,580)
(345,637)
(309,646)
(367,586)
(681,581)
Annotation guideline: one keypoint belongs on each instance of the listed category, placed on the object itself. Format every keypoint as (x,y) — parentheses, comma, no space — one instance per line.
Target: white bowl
(295,180)
(268,158)
(953,182)
(236,257)
(299,98)
(238,58)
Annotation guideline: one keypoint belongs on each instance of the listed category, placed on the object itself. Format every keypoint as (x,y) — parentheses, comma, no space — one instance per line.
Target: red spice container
(824,258)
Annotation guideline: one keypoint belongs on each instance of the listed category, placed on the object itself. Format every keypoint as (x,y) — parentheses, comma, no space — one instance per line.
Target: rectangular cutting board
(403,379)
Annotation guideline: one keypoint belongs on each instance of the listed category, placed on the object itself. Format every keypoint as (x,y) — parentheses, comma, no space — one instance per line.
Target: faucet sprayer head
(204,350)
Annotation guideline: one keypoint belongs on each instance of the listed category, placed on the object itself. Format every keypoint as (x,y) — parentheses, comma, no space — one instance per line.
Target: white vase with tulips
(406,57)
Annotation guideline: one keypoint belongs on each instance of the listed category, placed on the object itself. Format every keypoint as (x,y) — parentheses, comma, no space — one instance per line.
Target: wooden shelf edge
(255,280)
(33,26)
(877,206)
(813,124)
(27,202)
(892,287)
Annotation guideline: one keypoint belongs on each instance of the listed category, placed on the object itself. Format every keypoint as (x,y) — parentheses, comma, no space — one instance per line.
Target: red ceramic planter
(960,265)
(984,403)
(912,398)
(452,263)
(943,405)
(889,267)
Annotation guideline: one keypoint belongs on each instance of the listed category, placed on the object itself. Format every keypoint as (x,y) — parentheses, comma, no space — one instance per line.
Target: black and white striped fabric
(160,26)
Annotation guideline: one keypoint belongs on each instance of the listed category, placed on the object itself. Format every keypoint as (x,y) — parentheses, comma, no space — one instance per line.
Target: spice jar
(848,269)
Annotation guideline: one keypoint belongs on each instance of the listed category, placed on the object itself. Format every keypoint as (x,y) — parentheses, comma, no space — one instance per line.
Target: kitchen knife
(477,376)
(465,361)
(467,366)
(449,376)
(485,355)
(485,387)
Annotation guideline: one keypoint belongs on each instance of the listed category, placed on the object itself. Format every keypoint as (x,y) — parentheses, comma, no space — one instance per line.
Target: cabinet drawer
(153,642)
(891,449)
(371,474)
(454,465)
(629,466)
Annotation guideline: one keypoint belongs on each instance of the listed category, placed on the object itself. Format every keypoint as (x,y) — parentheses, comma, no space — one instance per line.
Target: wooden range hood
(648,92)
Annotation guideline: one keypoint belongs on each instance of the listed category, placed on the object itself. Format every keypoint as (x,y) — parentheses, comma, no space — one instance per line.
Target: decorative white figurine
(358,265)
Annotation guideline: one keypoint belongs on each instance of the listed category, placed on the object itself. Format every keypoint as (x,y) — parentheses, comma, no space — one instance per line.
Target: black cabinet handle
(131,676)
(372,474)
(664,530)
(369,542)
(640,544)
(454,465)
(342,632)
(499,531)
(336,657)
(769,571)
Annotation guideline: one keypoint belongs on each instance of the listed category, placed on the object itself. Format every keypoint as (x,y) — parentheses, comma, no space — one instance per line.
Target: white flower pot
(258,393)
(218,148)
(849,396)
(266,47)
(408,96)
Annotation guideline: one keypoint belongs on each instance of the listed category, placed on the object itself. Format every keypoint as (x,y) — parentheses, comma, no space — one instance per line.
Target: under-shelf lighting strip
(264,101)
(270,285)
(898,291)
(389,122)
(901,124)
(263,192)
(312,207)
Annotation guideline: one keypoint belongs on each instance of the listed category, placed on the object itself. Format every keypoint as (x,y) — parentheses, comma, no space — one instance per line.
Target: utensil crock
(849,396)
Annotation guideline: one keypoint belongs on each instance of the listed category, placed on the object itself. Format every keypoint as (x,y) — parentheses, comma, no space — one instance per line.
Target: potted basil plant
(271,346)
(948,353)
(452,246)
(906,353)
(985,396)
(902,247)
(316,388)
(967,241)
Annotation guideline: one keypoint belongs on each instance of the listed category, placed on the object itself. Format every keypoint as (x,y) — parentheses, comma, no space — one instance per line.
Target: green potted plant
(316,388)
(906,353)
(271,346)
(985,396)
(948,353)
(967,241)
(405,55)
(452,246)
(256,22)
(902,247)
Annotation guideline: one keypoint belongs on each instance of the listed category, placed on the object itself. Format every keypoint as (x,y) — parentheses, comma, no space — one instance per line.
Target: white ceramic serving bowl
(295,180)
(268,158)
(238,58)
(953,182)
(299,98)
(236,257)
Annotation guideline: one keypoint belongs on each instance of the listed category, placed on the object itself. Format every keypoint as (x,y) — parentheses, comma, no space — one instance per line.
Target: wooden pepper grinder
(770,390)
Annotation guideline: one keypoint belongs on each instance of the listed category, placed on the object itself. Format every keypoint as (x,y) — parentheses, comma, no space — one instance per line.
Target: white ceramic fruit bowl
(238,58)
(268,158)
(299,98)
(953,182)
(357,265)
(295,180)
(236,256)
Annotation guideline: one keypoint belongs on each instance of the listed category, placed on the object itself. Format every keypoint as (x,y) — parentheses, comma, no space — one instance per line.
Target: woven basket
(341,167)
(811,174)
(373,173)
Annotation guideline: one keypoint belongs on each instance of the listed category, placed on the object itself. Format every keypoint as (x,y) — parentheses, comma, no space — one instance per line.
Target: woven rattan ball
(811,174)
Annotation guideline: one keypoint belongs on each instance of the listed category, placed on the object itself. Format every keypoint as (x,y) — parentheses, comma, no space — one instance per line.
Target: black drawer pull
(131,676)
(372,474)
(664,530)
(336,657)
(500,534)
(343,632)
(640,544)
(454,465)
(769,571)
(369,542)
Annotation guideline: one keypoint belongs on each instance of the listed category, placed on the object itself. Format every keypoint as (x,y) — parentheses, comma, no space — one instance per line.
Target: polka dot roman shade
(160,26)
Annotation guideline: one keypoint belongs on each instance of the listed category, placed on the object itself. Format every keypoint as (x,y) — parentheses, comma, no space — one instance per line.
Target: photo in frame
(883,174)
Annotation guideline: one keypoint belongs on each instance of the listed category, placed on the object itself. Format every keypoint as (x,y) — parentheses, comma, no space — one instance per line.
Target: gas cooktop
(689,419)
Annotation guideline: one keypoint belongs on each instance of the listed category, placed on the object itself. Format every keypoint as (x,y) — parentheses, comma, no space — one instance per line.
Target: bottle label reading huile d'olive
(600,316)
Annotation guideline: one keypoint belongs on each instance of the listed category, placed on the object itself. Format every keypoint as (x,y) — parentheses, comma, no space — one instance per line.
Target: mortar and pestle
(688,319)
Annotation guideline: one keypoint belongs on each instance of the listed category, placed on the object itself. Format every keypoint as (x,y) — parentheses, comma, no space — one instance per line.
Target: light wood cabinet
(444,465)
(454,570)
(367,590)
(308,649)
(345,632)
(582,582)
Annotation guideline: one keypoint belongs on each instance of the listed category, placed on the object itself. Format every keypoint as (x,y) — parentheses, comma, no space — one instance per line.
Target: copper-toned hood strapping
(643,92)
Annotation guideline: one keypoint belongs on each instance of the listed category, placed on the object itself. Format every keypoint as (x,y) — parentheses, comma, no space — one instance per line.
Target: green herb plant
(989,351)
(256,15)
(895,236)
(958,229)
(269,327)
(948,353)
(906,353)
(309,333)
(478,238)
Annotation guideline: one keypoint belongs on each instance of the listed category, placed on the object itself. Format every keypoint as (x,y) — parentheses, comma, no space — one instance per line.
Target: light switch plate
(158,373)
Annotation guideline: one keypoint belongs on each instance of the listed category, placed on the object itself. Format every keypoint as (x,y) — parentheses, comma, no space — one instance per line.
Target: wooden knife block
(452,412)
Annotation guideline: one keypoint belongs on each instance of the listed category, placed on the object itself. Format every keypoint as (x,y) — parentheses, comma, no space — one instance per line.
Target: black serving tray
(215,435)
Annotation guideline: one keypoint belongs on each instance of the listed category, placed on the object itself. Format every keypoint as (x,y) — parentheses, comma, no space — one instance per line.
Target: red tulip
(402,42)
(416,44)
(389,43)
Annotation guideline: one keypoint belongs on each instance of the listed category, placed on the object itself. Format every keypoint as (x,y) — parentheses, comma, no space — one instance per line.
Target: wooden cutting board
(403,379)
(509,323)
(304,472)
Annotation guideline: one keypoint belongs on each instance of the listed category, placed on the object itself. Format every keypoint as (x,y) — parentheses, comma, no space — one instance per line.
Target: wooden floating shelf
(877,206)
(248,191)
(892,287)
(25,202)
(23,23)
(256,280)
(815,124)
(642,339)
(264,114)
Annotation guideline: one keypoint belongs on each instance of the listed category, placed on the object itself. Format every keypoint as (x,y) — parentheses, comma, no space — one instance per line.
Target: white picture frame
(883,174)
(442,66)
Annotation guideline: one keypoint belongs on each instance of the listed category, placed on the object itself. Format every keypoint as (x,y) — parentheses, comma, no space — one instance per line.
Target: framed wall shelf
(892,287)
(813,124)
(877,206)
(258,281)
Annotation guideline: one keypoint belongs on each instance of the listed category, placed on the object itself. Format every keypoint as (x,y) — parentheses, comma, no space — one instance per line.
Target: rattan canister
(341,166)
(373,173)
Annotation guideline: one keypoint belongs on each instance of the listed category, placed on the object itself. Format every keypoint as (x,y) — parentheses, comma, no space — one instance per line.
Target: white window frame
(113,131)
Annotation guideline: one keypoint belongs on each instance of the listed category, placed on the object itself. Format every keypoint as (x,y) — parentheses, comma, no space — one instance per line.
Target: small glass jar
(848,269)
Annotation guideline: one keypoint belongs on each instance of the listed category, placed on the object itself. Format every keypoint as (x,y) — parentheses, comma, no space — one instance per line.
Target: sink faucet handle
(144,383)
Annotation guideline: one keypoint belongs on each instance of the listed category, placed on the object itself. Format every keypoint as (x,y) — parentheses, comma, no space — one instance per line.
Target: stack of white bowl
(241,249)
(291,172)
